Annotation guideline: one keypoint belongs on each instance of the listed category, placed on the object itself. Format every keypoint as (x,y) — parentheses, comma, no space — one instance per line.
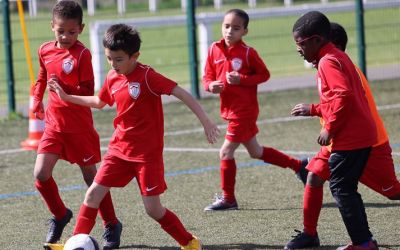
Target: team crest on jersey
(134,89)
(236,64)
(68,65)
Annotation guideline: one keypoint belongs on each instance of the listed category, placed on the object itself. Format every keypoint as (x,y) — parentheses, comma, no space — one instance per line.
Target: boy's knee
(154,213)
(226,154)
(41,175)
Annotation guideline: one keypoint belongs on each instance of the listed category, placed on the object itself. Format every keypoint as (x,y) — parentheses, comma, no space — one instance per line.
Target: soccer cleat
(57,227)
(112,236)
(221,204)
(372,245)
(303,172)
(194,244)
(302,240)
(53,246)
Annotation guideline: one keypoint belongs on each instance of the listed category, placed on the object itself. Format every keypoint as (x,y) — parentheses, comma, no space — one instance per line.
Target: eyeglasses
(301,42)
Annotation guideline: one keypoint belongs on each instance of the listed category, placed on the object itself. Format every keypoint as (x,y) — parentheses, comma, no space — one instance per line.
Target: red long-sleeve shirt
(343,104)
(237,101)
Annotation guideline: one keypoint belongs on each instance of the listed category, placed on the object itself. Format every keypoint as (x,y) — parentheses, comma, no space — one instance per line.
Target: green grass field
(270,198)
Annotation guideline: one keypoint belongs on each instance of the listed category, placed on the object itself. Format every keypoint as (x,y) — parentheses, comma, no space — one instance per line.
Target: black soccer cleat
(302,240)
(303,172)
(57,227)
(112,236)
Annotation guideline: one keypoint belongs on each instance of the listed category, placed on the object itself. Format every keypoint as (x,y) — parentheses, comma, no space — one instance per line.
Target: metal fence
(164,48)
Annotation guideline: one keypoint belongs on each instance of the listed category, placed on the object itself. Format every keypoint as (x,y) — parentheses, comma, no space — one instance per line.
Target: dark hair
(240,13)
(122,37)
(313,23)
(338,36)
(67,9)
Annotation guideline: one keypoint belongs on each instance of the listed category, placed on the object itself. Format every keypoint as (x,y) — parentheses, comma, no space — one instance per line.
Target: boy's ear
(82,26)
(136,55)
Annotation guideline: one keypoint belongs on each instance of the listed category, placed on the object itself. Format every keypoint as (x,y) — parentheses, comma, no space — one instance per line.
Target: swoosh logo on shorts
(87,159)
(387,189)
(152,188)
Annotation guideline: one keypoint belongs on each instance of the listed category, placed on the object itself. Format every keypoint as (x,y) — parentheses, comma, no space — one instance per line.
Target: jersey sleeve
(105,93)
(259,73)
(209,71)
(338,83)
(41,83)
(315,109)
(159,84)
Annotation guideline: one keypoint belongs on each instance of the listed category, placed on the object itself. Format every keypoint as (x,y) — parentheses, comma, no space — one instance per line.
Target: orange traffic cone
(36,128)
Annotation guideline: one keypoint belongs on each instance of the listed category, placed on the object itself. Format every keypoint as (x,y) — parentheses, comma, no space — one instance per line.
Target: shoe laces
(299,233)
(108,232)
(52,223)
(218,198)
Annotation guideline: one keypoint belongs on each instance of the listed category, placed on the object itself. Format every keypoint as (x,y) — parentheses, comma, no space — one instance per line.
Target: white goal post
(205,22)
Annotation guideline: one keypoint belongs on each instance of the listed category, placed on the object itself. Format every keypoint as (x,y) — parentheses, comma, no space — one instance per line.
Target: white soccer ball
(81,242)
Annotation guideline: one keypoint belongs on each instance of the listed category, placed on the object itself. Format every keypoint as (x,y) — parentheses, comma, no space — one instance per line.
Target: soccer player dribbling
(136,147)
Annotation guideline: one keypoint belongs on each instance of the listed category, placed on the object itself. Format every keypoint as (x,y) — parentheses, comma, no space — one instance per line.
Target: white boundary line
(197,130)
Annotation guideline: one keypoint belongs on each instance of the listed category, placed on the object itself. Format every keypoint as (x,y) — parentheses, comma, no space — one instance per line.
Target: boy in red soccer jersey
(348,125)
(69,133)
(379,173)
(135,149)
(233,70)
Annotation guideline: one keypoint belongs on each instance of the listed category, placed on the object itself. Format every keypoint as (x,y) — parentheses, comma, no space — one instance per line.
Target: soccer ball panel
(81,242)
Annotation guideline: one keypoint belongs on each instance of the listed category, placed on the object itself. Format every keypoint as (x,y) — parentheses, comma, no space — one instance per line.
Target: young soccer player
(379,173)
(69,133)
(233,70)
(348,128)
(135,150)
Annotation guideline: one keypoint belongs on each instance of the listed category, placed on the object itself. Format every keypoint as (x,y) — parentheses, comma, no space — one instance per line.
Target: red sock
(173,226)
(106,210)
(228,176)
(280,159)
(85,220)
(312,205)
(49,191)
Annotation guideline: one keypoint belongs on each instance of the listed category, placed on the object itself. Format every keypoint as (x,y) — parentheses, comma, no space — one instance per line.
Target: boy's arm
(261,73)
(337,81)
(210,129)
(87,101)
(38,91)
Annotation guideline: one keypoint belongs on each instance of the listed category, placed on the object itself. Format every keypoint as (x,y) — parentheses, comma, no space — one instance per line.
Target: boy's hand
(301,109)
(324,138)
(212,132)
(216,87)
(38,109)
(233,77)
(54,86)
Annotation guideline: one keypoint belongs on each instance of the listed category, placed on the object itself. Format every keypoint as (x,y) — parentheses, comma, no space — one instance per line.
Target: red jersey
(237,101)
(343,105)
(139,123)
(73,68)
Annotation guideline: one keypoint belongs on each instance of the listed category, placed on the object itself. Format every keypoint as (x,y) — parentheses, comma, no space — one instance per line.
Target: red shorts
(80,148)
(116,172)
(379,173)
(241,130)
